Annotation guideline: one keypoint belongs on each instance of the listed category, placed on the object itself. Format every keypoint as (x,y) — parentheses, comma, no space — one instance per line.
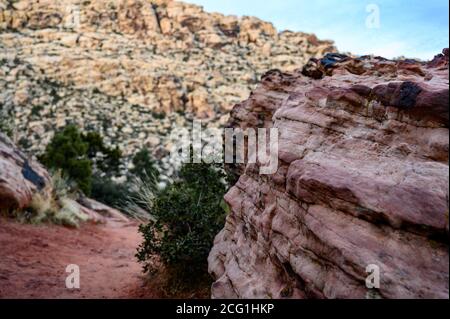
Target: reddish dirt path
(33,261)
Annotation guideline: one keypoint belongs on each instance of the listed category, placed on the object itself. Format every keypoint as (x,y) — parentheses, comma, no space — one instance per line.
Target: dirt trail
(33,261)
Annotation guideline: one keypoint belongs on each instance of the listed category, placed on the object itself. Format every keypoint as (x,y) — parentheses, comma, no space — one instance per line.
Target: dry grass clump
(140,204)
(57,207)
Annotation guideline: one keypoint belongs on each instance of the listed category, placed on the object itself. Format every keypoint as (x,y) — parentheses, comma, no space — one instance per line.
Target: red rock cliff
(363,179)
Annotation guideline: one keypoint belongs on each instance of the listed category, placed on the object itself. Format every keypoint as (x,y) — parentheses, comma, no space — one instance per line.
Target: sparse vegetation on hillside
(6,122)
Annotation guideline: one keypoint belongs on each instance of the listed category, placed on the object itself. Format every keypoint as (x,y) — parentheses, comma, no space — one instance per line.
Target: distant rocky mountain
(133,69)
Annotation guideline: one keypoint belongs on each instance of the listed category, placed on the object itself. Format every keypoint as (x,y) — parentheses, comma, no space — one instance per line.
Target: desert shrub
(57,207)
(144,167)
(68,152)
(6,128)
(24,143)
(91,165)
(187,215)
(143,175)
(61,185)
(79,155)
(108,192)
(140,203)
(36,110)
(110,160)
(40,208)
(62,211)
(69,213)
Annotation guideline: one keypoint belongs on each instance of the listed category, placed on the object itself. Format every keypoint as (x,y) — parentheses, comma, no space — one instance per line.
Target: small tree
(68,151)
(187,216)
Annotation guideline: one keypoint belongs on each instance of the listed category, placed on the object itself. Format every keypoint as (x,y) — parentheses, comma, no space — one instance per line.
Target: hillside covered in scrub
(133,70)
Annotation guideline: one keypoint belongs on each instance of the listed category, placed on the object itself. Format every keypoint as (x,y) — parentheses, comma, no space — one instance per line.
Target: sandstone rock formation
(20,177)
(102,210)
(363,180)
(118,66)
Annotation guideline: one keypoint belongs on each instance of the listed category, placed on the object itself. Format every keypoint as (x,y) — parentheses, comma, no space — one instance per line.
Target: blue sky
(412,28)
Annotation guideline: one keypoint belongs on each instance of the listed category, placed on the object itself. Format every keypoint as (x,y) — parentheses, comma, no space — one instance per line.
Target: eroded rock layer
(20,177)
(362,180)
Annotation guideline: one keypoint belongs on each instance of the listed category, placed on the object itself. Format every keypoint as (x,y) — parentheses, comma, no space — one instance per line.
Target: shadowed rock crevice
(157,17)
(30,175)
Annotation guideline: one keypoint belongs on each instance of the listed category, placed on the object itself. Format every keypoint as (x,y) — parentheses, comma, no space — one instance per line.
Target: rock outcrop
(20,177)
(363,180)
(133,69)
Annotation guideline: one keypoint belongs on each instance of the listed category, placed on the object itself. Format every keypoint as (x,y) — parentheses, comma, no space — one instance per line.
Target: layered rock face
(20,177)
(362,180)
(116,66)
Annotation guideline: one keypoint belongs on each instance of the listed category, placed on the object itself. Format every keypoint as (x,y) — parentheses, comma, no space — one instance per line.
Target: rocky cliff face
(20,177)
(363,180)
(117,66)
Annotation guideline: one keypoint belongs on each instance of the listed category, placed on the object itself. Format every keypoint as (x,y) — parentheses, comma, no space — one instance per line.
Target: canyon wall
(363,179)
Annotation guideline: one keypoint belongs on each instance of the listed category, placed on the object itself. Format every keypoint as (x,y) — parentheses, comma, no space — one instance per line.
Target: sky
(390,28)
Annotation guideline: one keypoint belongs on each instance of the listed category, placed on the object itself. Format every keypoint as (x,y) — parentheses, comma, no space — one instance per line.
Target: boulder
(362,183)
(102,210)
(20,176)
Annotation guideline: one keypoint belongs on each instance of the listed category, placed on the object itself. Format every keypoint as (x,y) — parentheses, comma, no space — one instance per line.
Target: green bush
(68,151)
(118,195)
(76,155)
(6,128)
(87,161)
(109,192)
(111,157)
(187,215)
